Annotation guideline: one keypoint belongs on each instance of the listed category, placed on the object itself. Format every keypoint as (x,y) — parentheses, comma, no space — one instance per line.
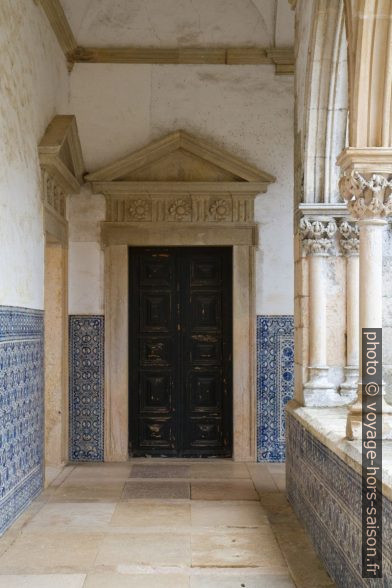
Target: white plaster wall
(34,86)
(86,264)
(248,110)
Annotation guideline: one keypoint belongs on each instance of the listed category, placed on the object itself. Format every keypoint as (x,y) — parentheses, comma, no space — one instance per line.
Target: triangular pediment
(60,152)
(180,157)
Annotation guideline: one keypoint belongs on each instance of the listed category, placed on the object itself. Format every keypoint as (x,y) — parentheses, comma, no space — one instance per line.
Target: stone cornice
(366,160)
(323,210)
(282,58)
(60,25)
(129,188)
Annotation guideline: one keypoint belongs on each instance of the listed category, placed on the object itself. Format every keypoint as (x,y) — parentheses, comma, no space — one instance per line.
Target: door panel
(180,351)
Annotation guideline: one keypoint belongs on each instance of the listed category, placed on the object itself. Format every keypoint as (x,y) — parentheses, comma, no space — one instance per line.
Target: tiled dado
(275,383)
(275,367)
(325,492)
(86,387)
(21,410)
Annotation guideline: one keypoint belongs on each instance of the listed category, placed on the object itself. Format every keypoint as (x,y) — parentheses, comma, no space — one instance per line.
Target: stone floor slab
(219,469)
(160,471)
(155,490)
(244,581)
(156,549)
(277,468)
(101,472)
(153,535)
(261,477)
(43,581)
(213,513)
(136,581)
(88,492)
(238,548)
(51,553)
(222,490)
(71,515)
(139,514)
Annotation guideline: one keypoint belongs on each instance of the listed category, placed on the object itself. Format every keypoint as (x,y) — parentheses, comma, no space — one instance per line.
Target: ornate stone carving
(317,235)
(367,195)
(220,210)
(187,207)
(349,242)
(140,210)
(180,209)
(54,196)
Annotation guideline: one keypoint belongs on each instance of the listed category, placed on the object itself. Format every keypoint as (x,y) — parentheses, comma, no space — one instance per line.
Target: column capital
(317,235)
(349,241)
(368,195)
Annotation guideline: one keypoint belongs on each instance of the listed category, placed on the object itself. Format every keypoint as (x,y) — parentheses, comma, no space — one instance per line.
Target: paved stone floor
(161,524)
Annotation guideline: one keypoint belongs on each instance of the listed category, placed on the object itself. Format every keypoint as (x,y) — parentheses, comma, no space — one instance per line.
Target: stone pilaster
(317,239)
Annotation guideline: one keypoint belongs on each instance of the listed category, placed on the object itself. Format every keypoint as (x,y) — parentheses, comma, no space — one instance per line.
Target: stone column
(369,200)
(349,244)
(317,242)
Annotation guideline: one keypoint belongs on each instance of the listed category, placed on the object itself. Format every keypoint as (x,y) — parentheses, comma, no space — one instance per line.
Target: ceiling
(180,23)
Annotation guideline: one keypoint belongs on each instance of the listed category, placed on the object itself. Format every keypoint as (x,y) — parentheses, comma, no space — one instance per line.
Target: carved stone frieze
(317,235)
(185,207)
(367,195)
(349,241)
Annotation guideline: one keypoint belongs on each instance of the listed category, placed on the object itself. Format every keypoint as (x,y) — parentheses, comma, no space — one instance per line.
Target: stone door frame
(117,239)
(180,191)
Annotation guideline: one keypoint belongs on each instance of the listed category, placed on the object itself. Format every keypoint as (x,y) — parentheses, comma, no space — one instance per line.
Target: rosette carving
(180,209)
(220,210)
(140,210)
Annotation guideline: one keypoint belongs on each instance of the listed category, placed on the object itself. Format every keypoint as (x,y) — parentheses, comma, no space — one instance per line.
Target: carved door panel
(180,351)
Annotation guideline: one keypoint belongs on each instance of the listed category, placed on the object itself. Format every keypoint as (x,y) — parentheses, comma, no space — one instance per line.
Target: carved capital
(317,235)
(367,195)
(349,241)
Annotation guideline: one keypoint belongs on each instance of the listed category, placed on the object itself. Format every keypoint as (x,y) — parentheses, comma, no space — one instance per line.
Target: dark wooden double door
(180,351)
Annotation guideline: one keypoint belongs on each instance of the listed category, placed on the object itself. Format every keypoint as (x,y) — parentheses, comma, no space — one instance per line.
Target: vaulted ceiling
(180,23)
